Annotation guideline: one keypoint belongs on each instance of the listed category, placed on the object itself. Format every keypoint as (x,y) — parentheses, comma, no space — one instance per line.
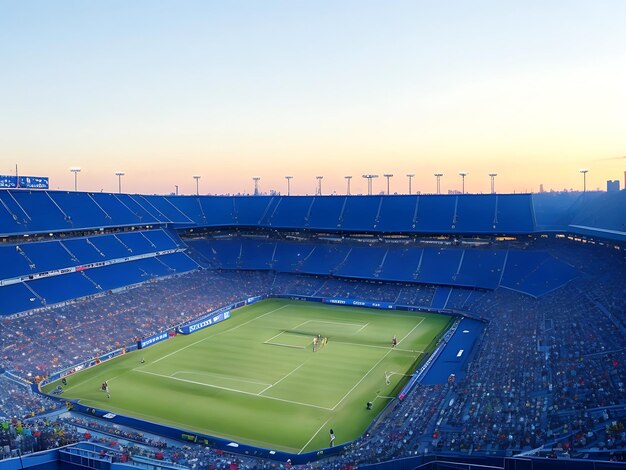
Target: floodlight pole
(463,174)
(348,178)
(197,178)
(75,170)
(256,180)
(388,176)
(410,176)
(438,176)
(493,184)
(584,172)
(319,185)
(288,178)
(369,179)
(119,175)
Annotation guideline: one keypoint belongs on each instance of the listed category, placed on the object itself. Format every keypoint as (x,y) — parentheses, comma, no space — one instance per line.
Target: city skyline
(164,91)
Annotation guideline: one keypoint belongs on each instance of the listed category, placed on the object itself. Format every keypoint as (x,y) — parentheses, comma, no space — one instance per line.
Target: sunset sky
(228,90)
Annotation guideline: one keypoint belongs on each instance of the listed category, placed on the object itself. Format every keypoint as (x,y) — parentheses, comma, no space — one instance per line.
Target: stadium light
(493,185)
(197,178)
(348,178)
(584,172)
(75,170)
(319,185)
(119,175)
(438,175)
(288,178)
(463,174)
(410,176)
(256,180)
(388,176)
(369,179)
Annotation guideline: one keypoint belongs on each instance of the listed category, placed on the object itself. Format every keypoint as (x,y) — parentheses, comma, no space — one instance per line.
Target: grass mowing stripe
(279,381)
(405,336)
(313,436)
(229,377)
(225,379)
(333,323)
(416,352)
(234,390)
(219,332)
(362,379)
(175,424)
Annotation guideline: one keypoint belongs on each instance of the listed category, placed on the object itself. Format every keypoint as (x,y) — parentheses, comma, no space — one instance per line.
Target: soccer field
(255,379)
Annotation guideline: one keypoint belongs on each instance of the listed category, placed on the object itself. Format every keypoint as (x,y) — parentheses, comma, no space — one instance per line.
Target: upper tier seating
(37,274)
(452,266)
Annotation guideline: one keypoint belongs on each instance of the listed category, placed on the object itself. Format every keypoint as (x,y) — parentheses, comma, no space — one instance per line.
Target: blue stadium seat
(435,214)
(165,209)
(219,210)
(325,212)
(289,212)
(251,211)
(16,298)
(361,262)
(360,213)
(397,214)
(475,213)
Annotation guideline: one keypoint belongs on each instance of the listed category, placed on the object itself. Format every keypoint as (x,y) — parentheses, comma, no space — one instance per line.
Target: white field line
(386,398)
(337,323)
(378,347)
(229,377)
(218,333)
(362,378)
(285,345)
(374,366)
(359,330)
(301,324)
(412,330)
(316,433)
(235,390)
(204,429)
(280,380)
(275,336)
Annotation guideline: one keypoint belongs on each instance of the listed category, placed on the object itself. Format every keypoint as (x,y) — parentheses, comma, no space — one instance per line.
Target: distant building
(541,188)
(612,186)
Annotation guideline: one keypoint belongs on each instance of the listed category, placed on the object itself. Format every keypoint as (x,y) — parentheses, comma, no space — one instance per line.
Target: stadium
(381,331)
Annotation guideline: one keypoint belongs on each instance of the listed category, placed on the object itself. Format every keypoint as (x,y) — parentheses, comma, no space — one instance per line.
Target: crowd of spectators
(547,371)
(28,436)
(63,336)
(17,400)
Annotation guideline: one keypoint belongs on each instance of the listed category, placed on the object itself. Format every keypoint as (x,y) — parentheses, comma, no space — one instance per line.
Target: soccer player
(394,341)
(107,390)
(314,343)
(332,437)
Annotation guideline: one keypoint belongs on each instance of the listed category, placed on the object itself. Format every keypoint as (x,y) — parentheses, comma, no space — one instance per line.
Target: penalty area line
(218,333)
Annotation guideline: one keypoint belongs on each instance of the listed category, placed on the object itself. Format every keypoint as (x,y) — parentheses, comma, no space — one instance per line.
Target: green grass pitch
(254,378)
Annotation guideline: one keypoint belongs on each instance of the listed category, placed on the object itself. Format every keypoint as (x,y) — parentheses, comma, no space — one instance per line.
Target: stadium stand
(528,271)
(546,377)
(38,274)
